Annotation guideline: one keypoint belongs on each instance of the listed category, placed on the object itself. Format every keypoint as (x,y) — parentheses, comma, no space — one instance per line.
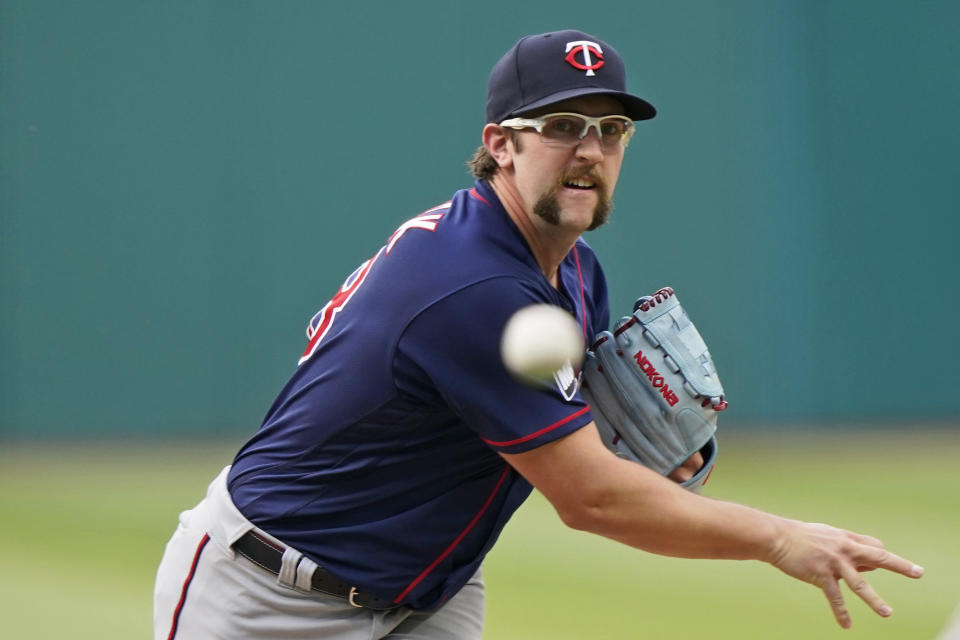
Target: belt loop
(305,569)
(288,567)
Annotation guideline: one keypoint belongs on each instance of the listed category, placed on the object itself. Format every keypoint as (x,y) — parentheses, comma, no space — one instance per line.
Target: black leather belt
(269,555)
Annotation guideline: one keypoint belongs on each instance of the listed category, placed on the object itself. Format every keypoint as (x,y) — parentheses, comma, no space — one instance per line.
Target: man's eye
(563,125)
(611,128)
(614,127)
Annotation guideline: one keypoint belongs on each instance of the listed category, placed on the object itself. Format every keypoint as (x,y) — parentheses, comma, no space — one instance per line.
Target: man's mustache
(590,173)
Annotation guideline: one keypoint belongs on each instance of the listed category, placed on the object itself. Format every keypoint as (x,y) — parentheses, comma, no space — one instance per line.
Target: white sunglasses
(568,129)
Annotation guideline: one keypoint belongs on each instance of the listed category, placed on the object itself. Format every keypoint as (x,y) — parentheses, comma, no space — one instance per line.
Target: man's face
(569,186)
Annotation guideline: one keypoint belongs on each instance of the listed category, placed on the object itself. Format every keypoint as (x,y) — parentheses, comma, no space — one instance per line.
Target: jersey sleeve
(450,355)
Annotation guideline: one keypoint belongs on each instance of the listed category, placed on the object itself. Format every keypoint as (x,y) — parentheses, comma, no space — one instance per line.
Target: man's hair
(482,164)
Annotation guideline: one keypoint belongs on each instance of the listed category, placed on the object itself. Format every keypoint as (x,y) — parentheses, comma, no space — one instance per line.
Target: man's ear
(499,145)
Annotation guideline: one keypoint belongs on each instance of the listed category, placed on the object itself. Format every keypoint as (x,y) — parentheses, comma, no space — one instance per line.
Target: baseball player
(399,448)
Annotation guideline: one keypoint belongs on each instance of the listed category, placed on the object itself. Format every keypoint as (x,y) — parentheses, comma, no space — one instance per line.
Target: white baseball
(539,340)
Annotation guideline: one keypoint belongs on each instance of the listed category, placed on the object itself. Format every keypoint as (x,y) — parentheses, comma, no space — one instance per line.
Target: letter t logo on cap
(587,47)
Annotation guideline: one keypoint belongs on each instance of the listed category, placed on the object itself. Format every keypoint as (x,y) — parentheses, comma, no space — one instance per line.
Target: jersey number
(322,320)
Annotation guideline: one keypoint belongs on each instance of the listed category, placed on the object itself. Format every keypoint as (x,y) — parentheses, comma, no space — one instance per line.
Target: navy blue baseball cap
(550,67)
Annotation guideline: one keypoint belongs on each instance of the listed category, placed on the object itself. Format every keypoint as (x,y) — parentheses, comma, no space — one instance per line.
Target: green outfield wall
(184,183)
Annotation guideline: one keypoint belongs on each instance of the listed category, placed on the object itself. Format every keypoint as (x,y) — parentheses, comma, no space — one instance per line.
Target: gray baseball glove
(653,388)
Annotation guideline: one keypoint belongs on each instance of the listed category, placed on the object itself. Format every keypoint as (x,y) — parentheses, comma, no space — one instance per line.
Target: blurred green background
(85,527)
(183,184)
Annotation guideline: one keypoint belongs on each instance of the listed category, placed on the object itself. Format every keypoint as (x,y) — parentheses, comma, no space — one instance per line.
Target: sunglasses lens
(564,129)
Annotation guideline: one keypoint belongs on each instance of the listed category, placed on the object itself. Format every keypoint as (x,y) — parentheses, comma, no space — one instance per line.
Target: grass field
(84,527)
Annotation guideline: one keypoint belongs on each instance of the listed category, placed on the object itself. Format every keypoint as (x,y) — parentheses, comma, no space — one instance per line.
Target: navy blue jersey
(379,458)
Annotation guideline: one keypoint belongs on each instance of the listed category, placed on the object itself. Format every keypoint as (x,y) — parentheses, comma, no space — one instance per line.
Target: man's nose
(589,147)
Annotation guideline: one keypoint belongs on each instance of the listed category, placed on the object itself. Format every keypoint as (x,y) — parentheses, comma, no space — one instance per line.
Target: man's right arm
(593,490)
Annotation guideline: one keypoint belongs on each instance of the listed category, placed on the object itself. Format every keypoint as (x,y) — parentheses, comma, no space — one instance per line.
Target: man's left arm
(594,490)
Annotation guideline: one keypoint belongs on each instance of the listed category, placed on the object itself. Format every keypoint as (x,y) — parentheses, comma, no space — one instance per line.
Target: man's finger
(694,462)
(869,556)
(835,597)
(859,585)
(688,469)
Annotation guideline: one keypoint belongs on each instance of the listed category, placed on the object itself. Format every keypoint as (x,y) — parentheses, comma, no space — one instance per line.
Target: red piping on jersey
(479,197)
(186,585)
(459,538)
(546,429)
(583,300)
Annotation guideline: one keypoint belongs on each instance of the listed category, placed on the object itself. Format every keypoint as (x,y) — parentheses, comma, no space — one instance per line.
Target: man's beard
(548,207)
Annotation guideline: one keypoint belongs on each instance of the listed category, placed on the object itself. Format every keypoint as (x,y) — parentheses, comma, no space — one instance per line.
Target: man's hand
(823,555)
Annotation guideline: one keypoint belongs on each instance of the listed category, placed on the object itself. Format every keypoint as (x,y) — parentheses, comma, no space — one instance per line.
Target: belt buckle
(350,598)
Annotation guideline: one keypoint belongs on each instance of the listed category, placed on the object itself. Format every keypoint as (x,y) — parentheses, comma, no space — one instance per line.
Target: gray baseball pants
(206,591)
